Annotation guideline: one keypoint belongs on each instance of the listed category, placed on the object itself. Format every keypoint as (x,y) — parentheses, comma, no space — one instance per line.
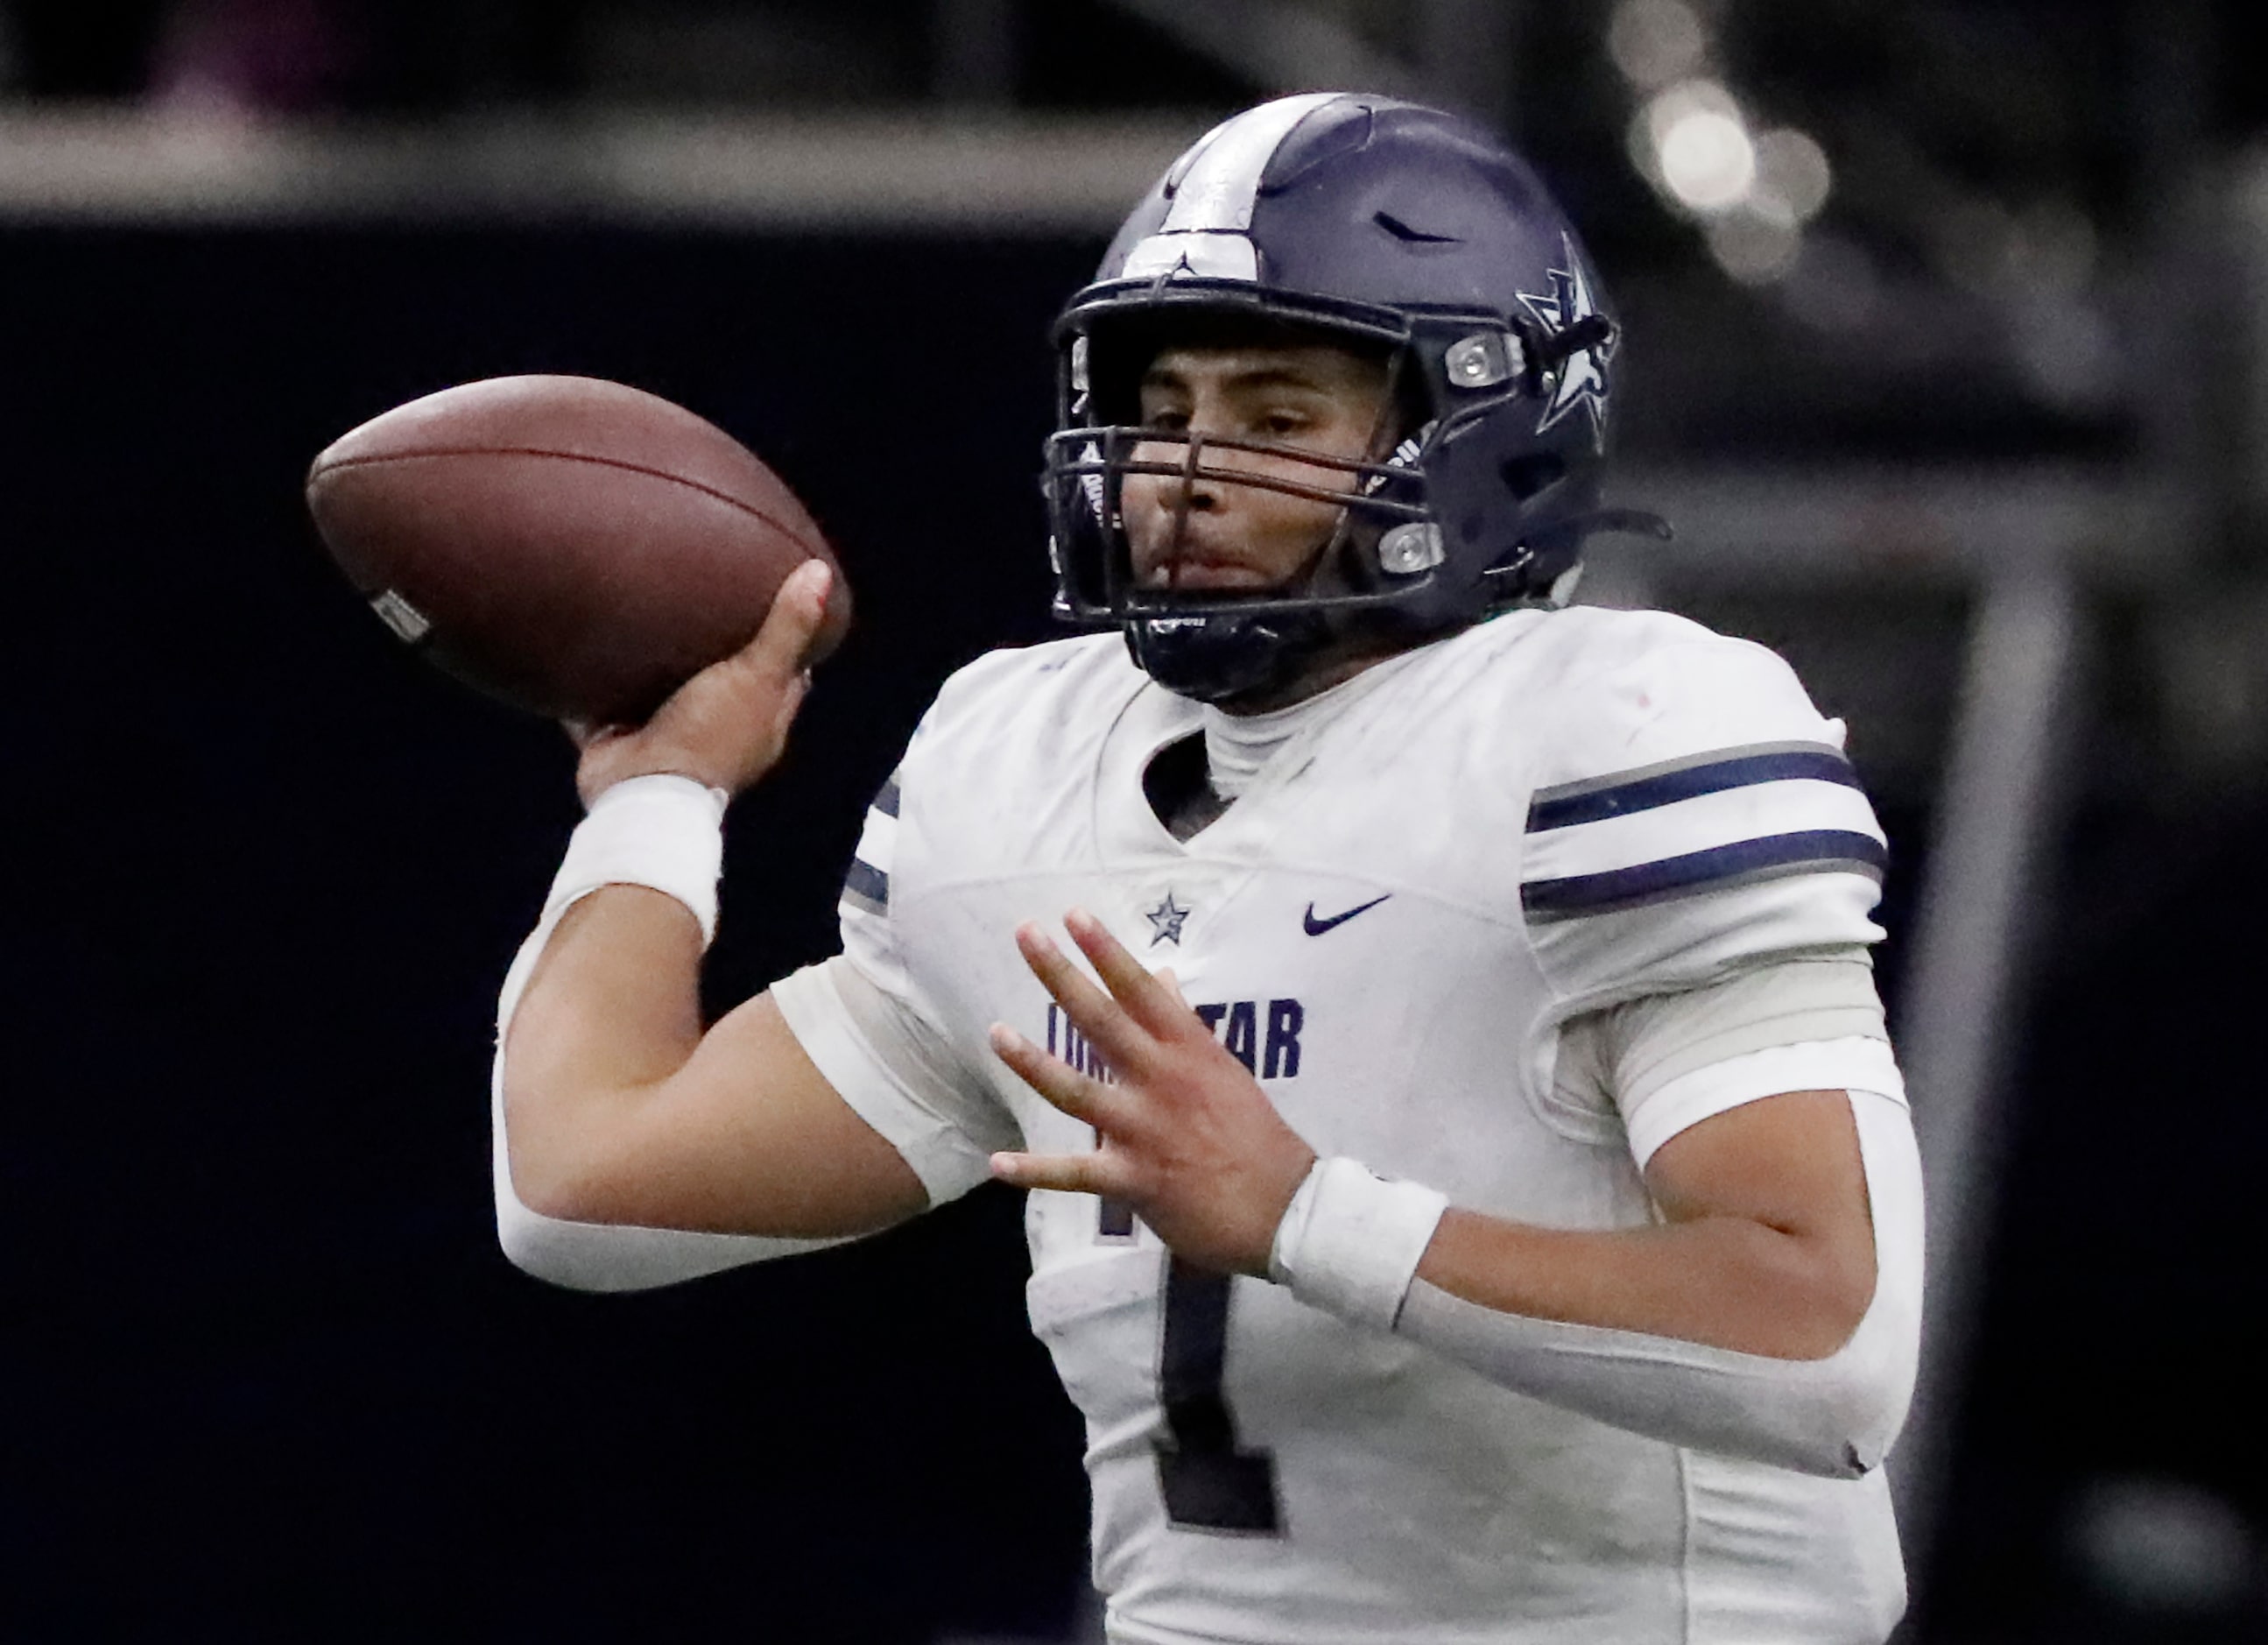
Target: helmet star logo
(1166,921)
(1582,379)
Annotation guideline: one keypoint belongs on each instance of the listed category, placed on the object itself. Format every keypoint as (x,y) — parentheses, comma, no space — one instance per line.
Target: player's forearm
(602,1005)
(614,1001)
(610,1013)
(1727,1281)
(631,1146)
(1700,1331)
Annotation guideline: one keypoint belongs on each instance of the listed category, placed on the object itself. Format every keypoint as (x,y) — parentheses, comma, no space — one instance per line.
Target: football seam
(726,498)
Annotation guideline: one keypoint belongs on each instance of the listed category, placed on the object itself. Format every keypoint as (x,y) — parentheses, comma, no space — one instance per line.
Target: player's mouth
(1196,571)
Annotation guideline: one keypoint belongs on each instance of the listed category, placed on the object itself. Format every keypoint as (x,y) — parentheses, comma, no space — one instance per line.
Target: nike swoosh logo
(1316,928)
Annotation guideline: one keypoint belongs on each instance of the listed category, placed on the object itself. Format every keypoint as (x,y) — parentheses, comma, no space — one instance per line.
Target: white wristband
(1349,1242)
(665,833)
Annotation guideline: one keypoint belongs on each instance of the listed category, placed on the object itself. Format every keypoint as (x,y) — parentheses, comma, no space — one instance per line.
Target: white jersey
(1546,814)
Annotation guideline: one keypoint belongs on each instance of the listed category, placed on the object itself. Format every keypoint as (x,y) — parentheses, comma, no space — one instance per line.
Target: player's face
(1220,533)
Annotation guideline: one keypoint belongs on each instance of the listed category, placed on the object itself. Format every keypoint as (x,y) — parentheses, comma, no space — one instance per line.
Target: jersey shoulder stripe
(1699,823)
(1619,794)
(1009,713)
(1719,868)
(867,884)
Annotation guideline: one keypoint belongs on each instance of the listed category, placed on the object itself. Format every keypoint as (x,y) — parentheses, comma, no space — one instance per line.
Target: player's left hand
(1184,1135)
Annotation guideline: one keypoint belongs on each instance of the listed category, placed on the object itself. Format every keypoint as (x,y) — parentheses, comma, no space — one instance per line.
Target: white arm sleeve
(1351,1243)
(1835,1416)
(664,833)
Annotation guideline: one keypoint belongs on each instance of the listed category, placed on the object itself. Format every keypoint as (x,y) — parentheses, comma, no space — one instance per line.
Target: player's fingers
(777,651)
(1068,1173)
(1092,1011)
(1147,1000)
(1064,1087)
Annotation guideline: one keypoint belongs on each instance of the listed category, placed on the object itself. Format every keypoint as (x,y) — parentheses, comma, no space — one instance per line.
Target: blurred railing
(1064,176)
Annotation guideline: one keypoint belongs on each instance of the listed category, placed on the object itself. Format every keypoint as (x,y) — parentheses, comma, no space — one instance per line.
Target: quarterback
(1471,1193)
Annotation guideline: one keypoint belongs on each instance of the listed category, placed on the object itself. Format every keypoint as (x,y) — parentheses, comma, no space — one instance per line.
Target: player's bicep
(750,1138)
(1790,1163)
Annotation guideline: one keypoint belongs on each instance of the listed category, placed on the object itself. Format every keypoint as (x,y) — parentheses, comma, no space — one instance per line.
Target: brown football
(573,546)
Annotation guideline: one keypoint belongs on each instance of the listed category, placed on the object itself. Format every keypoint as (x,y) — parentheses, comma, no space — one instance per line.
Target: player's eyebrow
(1279,377)
(1253,377)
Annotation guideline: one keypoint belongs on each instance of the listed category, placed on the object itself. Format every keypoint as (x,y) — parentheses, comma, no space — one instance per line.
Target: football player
(1472,1197)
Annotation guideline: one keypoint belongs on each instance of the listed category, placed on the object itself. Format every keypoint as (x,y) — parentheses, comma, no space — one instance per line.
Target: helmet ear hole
(1533,472)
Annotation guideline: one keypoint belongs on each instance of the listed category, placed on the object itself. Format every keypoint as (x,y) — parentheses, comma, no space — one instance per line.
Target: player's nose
(1207,482)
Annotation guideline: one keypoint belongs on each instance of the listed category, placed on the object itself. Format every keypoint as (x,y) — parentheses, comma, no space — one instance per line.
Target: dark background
(267,1376)
(274,1377)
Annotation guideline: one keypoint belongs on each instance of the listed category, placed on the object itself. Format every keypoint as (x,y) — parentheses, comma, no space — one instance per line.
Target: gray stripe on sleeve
(867,887)
(1646,1043)
(1664,768)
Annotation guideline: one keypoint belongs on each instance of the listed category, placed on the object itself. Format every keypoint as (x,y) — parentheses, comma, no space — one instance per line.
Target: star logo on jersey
(1582,379)
(1166,921)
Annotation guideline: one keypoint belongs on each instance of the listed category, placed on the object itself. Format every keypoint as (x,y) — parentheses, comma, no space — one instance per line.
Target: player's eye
(1284,423)
(1166,419)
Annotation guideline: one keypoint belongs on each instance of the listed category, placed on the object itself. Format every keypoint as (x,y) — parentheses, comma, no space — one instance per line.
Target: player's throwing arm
(597,554)
(640,1149)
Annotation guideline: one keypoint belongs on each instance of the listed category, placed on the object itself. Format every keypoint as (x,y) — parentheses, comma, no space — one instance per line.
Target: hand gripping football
(572,546)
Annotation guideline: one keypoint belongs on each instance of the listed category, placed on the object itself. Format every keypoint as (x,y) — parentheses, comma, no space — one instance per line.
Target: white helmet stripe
(1223,180)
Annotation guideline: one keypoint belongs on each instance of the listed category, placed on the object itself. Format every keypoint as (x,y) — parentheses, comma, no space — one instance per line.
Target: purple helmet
(1386,226)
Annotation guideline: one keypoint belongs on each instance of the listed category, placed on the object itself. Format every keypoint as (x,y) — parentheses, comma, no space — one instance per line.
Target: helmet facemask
(1123,498)
(1382,571)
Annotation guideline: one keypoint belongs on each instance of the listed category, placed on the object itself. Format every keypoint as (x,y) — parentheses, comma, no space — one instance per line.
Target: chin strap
(1214,658)
(1509,584)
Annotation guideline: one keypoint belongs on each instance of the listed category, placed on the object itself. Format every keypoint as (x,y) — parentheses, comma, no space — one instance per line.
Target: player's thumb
(781,644)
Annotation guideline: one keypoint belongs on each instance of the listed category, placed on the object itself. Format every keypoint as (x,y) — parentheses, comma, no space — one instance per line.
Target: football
(573,546)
